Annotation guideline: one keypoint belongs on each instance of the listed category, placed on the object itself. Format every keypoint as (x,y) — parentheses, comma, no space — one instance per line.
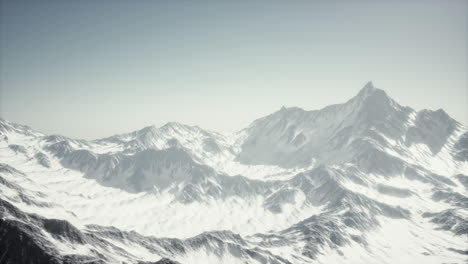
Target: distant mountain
(368,122)
(366,181)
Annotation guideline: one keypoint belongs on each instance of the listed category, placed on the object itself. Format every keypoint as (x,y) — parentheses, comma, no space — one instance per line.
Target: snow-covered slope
(366,181)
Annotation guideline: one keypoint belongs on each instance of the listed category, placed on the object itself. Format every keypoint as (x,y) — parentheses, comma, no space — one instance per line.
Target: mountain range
(365,181)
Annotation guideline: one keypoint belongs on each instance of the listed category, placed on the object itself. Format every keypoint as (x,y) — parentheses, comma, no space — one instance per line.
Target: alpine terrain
(365,181)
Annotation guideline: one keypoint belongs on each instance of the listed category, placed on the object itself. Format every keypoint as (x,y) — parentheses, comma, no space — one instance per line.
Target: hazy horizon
(93,69)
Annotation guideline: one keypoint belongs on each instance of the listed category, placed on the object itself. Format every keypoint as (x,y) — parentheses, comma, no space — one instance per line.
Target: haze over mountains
(365,181)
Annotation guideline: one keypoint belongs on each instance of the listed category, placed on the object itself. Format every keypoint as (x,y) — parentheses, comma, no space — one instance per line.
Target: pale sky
(89,69)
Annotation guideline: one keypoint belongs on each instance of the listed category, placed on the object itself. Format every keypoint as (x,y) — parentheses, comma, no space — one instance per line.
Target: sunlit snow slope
(366,181)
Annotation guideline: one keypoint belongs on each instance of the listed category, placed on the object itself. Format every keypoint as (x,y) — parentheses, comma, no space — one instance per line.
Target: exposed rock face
(161,261)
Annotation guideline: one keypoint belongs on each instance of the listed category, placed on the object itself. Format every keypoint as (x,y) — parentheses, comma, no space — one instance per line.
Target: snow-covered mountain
(366,181)
(368,123)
